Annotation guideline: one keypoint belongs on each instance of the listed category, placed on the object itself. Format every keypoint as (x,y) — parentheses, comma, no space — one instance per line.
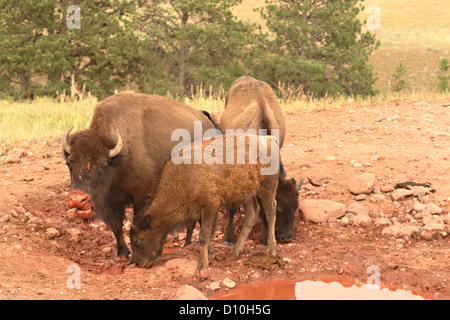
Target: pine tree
(200,41)
(39,54)
(317,44)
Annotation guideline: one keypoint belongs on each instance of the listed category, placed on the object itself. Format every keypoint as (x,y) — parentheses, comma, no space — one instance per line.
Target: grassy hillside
(414,32)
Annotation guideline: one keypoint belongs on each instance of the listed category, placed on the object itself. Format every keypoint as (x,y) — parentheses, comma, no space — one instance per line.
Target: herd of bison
(109,200)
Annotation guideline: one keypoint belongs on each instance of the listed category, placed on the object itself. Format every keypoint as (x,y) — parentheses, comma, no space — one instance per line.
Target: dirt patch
(399,141)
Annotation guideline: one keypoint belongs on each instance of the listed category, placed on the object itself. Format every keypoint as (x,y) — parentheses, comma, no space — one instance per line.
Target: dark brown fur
(252,104)
(145,124)
(190,192)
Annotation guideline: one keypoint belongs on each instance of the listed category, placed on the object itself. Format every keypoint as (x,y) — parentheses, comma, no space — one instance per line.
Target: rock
(321,210)
(419,192)
(377,198)
(382,221)
(400,194)
(107,250)
(5,218)
(183,265)
(187,292)
(214,286)
(72,213)
(434,226)
(386,189)
(344,220)
(52,233)
(357,209)
(360,219)
(400,230)
(75,234)
(362,184)
(361,197)
(434,208)
(318,181)
(419,207)
(230,284)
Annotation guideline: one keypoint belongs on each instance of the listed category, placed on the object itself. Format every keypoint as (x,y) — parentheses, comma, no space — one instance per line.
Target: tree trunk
(182,57)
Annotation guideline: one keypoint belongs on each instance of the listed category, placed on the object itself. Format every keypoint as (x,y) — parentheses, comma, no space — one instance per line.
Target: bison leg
(114,219)
(206,229)
(228,240)
(262,216)
(251,208)
(270,206)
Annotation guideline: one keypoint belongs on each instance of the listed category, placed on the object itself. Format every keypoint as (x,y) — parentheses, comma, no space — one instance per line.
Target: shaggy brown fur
(145,124)
(189,192)
(252,104)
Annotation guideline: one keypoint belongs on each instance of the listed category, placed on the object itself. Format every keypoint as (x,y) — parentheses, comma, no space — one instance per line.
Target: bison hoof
(202,273)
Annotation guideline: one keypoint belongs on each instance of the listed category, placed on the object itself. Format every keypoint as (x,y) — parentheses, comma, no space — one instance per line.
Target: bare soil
(398,141)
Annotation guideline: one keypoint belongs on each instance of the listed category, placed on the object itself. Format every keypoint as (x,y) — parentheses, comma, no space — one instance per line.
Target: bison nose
(79,200)
(82,202)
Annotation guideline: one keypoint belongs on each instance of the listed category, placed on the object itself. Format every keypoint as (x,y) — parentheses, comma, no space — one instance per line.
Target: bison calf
(190,192)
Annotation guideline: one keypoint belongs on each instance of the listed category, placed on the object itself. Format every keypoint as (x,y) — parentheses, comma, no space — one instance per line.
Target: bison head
(147,238)
(91,157)
(287,205)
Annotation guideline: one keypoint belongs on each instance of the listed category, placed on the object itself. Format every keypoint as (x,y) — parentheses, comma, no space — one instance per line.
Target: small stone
(318,211)
(382,221)
(107,250)
(361,197)
(214,286)
(419,207)
(400,229)
(5,218)
(183,265)
(360,219)
(434,208)
(52,233)
(386,189)
(187,292)
(357,209)
(75,234)
(400,194)
(362,184)
(318,180)
(72,213)
(344,220)
(230,284)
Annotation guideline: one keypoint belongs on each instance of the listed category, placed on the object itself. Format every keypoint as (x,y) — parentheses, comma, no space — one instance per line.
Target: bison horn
(65,141)
(116,150)
(297,187)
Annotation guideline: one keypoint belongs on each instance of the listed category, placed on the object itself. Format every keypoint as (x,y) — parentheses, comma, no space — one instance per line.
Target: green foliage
(199,42)
(39,55)
(397,76)
(444,66)
(167,46)
(318,45)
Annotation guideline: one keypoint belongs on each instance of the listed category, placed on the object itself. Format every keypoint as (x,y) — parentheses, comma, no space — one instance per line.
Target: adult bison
(118,160)
(252,104)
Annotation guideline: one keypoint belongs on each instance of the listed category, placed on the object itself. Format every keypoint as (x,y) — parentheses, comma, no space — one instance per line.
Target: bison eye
(68,164)
(104,165)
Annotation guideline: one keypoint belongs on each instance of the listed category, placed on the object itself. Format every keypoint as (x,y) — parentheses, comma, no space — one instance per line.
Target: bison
(190,192)
(252,104)
(118,160)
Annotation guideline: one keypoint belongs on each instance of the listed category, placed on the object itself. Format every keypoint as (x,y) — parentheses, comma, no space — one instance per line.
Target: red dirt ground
(398,141)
